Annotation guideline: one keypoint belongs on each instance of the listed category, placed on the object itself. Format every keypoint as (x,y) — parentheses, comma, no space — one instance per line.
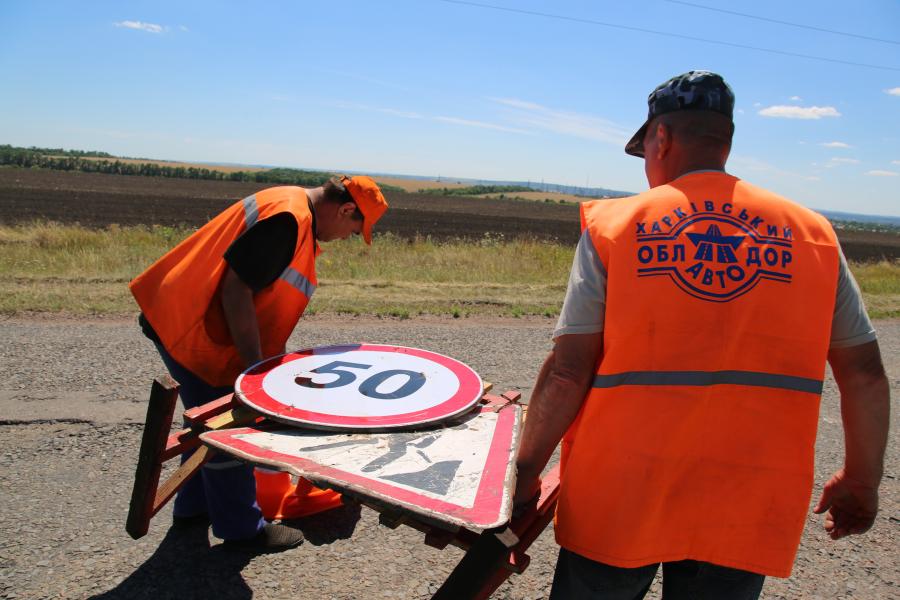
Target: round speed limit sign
(359,387)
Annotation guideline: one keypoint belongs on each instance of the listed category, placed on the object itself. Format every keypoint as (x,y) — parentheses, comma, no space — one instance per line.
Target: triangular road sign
(462,474)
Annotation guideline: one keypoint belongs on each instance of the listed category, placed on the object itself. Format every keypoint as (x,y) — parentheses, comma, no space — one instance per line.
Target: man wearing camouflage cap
(687,369)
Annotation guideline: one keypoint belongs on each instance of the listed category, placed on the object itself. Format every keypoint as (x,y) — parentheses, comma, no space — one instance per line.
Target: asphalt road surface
(73,399)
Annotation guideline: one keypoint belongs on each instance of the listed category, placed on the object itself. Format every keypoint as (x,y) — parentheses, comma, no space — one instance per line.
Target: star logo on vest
(713,252)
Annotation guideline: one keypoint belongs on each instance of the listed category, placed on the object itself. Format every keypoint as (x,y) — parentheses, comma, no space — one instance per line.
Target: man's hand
(851,495)
(527,489)
(851,506)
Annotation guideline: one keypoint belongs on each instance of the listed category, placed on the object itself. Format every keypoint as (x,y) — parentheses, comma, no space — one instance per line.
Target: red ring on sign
(249,390)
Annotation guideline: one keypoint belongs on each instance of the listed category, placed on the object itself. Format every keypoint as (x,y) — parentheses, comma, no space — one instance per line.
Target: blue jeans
(225,488)
(580,578)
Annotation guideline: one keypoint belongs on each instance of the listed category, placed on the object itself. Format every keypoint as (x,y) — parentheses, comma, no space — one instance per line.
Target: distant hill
(540,186)
(858,218)
(98,161)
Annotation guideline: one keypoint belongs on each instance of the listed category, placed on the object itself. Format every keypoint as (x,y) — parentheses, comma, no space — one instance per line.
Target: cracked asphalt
(72,404)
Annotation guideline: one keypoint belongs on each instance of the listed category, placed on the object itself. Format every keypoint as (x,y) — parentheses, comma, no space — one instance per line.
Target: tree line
(475,190)
(101,162)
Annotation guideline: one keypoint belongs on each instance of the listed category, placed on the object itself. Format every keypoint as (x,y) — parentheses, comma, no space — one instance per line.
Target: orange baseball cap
(368,198)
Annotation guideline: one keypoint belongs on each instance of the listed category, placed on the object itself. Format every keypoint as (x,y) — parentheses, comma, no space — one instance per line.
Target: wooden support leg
(160,409)
(497,554)
(181,475)
(157,447)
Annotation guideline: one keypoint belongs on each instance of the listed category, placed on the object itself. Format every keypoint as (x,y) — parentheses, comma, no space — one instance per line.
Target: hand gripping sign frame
(335,387)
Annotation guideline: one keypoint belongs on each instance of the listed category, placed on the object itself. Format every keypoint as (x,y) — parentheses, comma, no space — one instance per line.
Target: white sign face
(360,387)
(388,383)
(463,473)
(432,463)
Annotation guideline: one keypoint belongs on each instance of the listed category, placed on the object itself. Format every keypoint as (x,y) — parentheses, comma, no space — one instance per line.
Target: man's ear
(663,140)
(347,209)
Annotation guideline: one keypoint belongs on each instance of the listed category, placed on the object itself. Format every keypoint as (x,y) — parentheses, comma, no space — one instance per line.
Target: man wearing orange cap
(229,296)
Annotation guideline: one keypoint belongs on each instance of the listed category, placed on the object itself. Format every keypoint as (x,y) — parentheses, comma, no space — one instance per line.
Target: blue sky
(431,87)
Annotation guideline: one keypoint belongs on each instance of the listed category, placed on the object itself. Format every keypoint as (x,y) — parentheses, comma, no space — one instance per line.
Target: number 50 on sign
(360,387)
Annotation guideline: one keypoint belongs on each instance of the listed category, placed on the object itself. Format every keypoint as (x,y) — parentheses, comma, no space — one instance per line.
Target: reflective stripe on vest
(704,378)
(251,211)
(298,281)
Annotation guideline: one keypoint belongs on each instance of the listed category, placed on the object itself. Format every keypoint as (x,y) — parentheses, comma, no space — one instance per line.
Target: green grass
(880,285)
(47,267)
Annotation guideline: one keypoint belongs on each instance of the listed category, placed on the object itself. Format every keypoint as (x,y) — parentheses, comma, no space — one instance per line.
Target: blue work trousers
(225,488)
(579,578)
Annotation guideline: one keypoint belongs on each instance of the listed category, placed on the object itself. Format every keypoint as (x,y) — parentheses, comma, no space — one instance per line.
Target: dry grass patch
(46,267)
(414,185)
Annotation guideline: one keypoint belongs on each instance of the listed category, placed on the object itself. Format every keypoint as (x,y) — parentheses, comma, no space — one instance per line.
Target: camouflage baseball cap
(694,90)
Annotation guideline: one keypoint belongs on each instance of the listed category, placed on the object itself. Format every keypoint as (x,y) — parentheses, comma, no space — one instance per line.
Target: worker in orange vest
(687,371)
(229,297)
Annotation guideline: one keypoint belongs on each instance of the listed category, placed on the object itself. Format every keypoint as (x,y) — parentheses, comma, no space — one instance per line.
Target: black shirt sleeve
(262,253)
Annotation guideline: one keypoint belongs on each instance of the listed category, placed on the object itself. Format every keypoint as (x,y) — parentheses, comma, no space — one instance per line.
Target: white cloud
(532,115)
(879,173)
(750,163)
(799,112)
(893,91)
(479,124)
(895,162)
(404,114)
(796,98)
(835,145)
(834,162)
(400,113)
(183,28)
(141,26)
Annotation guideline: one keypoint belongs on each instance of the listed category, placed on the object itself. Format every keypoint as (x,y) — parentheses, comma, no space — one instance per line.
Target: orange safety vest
(180,293)
(697,438)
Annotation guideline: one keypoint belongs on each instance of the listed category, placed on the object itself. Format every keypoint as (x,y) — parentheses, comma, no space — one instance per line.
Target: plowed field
(98,200)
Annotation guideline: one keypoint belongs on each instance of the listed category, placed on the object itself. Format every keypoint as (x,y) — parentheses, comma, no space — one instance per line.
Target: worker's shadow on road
(185,566)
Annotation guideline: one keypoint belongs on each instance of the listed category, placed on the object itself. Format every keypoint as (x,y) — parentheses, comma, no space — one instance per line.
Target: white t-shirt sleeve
(850,325)
(585,303)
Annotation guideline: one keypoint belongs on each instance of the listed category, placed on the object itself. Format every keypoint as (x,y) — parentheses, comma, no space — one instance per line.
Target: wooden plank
(179,443)
(204,412)
(160,409)
(236,417)
(512,396)
(180,476)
